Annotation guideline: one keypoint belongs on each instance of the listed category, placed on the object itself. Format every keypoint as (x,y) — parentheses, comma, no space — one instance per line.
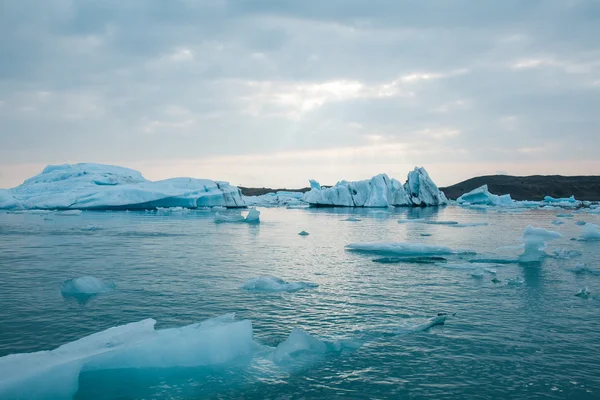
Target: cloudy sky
(273,92)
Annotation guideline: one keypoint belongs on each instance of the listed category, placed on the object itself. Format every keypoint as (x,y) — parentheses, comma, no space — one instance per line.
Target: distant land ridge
(533,187)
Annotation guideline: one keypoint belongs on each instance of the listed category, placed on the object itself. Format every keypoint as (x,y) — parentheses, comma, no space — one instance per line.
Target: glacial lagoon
(313,319)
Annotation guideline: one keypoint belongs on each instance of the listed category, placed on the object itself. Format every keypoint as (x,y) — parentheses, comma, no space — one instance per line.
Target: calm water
(530,340)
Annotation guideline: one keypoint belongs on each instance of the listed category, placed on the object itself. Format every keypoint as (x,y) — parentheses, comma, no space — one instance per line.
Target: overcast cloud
(272,93)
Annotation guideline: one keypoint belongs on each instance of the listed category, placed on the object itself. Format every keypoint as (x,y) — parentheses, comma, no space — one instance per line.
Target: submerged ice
(85,286)
(98,186)
(274,284)
(379,191)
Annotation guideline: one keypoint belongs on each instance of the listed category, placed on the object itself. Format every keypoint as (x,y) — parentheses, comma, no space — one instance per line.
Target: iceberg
(534,240)
(274,284)
(400,248)
(379,191)
(55,374)
(590,232)
(88,186)
(85,286)
(482,196)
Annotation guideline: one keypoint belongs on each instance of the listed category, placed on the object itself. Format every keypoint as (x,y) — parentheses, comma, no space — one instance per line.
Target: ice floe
(400,248)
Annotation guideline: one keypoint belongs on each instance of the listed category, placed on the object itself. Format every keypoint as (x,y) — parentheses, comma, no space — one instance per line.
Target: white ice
(98,186)
(400,248)
(276,199)
(379,191)
(55,374)
(253,216)
(534,241)
(590,232)
(86,286)
(274,284)
(481,195)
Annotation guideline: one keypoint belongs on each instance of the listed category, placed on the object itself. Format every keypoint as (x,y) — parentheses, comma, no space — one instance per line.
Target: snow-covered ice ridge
(88,186)
(379,191)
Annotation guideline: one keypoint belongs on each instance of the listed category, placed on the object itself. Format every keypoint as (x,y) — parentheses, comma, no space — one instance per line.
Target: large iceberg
(482,195)
(379,191)
(98,186)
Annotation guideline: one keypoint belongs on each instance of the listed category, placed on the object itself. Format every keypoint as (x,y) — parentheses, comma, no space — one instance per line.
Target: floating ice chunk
(580,223)
(85,286)
(496,280)
(97,186)
(352,219)
(549,199)
(481,195)
(441,222)
(584,293)
(214,342)
(425,234)
(253,216)
(564,215)
(408,249)
(274,284)
(534,240)
(590,232)
(494,260)
(231,217)
(55,374)
(297,206)
(303,233)
(565,254)
(298,341)
(379,191)
(557,222)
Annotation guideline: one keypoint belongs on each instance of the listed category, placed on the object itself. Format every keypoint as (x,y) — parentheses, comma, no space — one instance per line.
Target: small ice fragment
(580,223)
(514,282)
(304,233)
(351,219)
(557,222)
(496,280)
(584,293)
(400,248)
(274,284)
(85,286)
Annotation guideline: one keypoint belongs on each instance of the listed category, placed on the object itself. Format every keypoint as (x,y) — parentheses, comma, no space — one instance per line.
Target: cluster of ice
(534,242)
(98,186)
(379,191)
(482,196)
(274,284)
(400,248)
(253,217)
(276,199)
(590,232)
(55,374)
(85,286)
